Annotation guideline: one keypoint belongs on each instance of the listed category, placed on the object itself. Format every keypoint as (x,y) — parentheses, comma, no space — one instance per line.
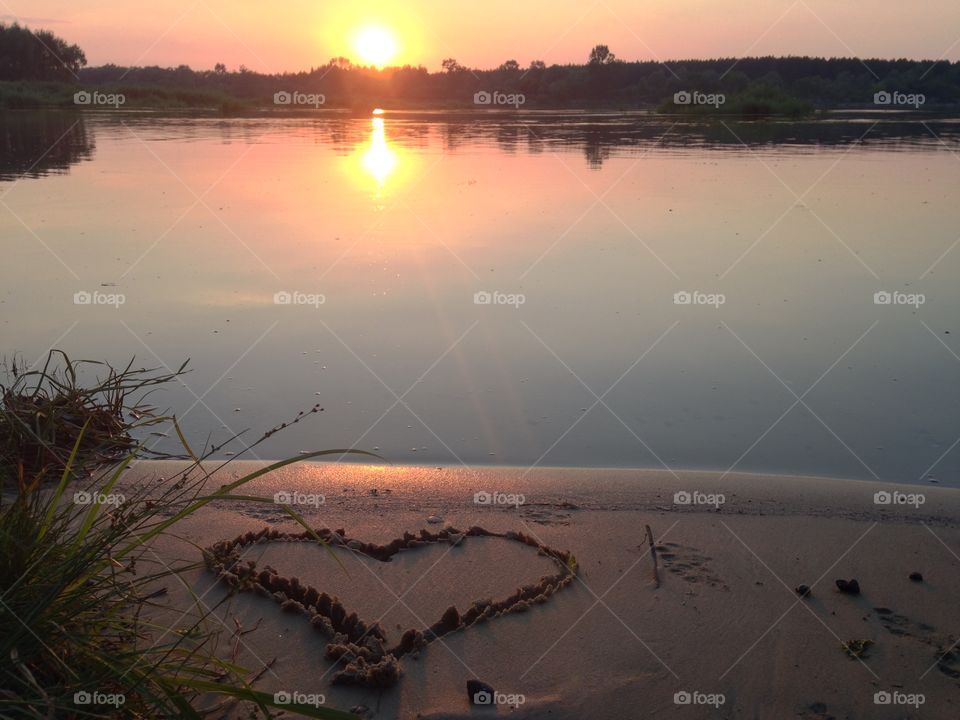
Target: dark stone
(479,693)
(916,577)
(849,587)
(803,590)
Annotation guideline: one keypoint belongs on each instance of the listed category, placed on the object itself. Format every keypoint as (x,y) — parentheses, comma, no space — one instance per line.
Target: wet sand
(725,628)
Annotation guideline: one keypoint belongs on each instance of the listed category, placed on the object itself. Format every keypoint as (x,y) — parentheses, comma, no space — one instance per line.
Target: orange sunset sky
(298,34)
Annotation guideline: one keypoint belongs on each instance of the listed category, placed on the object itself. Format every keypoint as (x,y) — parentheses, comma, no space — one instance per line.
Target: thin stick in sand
(653,554)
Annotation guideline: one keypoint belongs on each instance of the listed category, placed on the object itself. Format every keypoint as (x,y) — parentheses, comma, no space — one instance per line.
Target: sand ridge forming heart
(360,647)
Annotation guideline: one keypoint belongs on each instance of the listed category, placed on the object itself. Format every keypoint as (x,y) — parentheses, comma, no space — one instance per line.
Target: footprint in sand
(949,660)
(948,657)
(898,624)
(816,711)
(690,564)
(548,513)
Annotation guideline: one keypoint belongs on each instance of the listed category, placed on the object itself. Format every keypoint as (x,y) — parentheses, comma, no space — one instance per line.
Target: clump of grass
(43,413)
(78,577)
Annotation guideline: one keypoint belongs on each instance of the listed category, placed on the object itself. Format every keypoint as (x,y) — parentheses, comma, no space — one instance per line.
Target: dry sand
(725,622)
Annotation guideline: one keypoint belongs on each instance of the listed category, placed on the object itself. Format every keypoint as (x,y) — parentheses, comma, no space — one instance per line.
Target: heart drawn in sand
(361,647)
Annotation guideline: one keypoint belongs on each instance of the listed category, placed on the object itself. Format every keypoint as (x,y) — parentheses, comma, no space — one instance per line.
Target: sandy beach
(724,635)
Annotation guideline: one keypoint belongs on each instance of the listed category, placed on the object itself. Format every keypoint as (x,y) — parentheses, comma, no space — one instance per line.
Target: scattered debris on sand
(857,649)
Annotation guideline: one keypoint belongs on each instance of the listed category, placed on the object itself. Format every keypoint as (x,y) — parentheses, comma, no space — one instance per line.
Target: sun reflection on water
(379,159)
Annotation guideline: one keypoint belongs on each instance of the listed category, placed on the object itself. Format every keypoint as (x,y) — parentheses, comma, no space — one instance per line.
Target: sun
(375,45)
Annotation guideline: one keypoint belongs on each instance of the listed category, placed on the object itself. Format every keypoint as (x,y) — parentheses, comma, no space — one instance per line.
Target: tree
(220,69)
(601,55)
(452,66)
(40,55)
(510,66)
(538,65)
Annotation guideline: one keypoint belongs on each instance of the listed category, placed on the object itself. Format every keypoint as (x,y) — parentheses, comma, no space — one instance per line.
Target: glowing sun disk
(375,46)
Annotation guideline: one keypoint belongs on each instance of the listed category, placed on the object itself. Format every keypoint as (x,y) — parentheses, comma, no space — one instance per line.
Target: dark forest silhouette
(750,86)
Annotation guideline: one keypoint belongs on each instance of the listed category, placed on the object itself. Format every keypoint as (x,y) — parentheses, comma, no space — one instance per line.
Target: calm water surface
(581,230)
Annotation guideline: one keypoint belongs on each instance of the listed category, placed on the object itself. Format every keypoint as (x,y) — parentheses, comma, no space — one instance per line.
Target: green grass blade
(94,510)
(64,479)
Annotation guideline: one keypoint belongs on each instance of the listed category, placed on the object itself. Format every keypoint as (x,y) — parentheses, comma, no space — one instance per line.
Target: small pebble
(434,519)
(803,591)
(850,587)
(479,693)
(916,577)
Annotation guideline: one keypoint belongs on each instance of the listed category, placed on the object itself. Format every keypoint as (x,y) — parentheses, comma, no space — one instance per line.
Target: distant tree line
(602,82)
(750,85)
